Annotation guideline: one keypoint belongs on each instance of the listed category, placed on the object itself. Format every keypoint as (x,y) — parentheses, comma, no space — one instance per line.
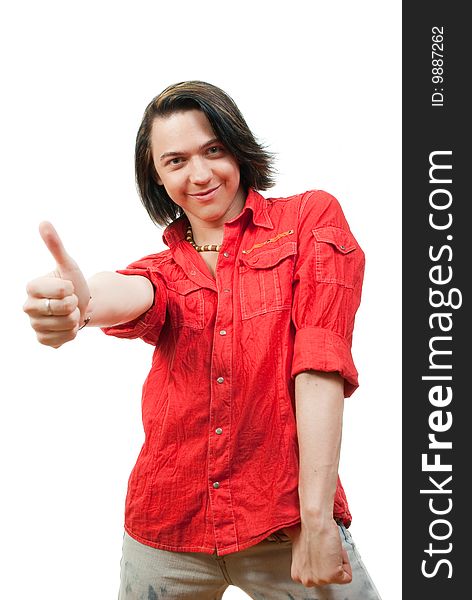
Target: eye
(175,161)
(214,149)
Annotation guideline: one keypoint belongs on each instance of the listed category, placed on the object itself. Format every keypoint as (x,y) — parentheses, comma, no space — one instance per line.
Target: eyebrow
(173,153)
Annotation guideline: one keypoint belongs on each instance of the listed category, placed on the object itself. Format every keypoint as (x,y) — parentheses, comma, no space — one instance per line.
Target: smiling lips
(206,194)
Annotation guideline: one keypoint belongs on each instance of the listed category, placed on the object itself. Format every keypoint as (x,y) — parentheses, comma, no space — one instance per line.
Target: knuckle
(34,325)
(43,340)
(70,335)
(74,300)
(72,319)
(39,326)
(30,287)
(69,304)
(62,289)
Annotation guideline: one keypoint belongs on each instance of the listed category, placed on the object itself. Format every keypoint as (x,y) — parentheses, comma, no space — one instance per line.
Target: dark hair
(226,120)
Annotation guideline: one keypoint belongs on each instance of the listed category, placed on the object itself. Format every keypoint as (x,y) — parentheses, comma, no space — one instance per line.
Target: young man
(251,312)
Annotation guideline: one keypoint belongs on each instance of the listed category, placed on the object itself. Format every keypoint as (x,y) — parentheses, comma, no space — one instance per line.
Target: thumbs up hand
(57,302)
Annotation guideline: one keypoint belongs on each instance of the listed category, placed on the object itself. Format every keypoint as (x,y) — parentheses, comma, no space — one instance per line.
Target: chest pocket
(336,256)
(265,280)
(186,305)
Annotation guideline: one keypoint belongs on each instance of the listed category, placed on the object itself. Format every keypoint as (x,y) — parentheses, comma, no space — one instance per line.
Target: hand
(57,302)
(318,557)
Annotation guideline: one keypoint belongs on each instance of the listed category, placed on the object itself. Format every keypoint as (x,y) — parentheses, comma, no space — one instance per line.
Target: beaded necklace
(204,247)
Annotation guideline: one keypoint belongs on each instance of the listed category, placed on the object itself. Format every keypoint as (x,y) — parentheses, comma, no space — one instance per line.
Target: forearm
(117,298)
(319,410)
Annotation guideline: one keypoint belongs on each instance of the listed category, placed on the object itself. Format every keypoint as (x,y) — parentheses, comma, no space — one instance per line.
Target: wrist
(316,508)
(316,513)
(317,520)
(87,315)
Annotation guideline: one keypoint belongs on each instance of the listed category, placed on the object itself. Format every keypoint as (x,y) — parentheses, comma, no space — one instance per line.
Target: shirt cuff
(135,328)
(320,349)
(148,325)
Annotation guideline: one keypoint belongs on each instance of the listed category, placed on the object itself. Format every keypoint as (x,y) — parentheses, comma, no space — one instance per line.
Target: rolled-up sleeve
(328,278)
(147,326)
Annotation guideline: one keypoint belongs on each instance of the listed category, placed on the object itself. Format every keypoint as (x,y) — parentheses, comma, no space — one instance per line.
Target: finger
(50,287)
(54,243)
(343,579)
(56,324)
(346,564)
(64,307)
(38,307)
(347,569)
(56,339)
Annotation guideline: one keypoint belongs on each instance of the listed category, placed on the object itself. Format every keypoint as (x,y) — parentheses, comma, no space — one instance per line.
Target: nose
(200,172)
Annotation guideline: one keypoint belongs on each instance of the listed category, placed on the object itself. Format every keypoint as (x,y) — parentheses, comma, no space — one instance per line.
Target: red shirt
(218,470)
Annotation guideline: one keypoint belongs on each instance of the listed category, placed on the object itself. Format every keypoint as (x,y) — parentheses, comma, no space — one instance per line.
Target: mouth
(205,194)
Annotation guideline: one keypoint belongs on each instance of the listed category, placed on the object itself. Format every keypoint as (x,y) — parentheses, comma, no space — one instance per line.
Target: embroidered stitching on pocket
(269,241)
(335,256)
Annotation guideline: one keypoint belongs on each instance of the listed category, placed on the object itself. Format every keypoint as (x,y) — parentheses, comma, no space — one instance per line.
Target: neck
(206,234)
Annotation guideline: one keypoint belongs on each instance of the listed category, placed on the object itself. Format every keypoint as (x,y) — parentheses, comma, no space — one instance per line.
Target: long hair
(255,162)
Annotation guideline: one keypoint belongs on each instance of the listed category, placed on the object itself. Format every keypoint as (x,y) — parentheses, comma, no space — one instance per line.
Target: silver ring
(48,307)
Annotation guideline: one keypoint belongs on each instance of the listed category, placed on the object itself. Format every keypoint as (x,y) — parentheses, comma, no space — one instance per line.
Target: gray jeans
(261,571)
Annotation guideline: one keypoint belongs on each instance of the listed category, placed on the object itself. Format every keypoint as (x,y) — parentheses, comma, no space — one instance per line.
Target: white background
(319,83)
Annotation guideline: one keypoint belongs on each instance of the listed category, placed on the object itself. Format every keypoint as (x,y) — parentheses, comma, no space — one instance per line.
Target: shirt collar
(255,203)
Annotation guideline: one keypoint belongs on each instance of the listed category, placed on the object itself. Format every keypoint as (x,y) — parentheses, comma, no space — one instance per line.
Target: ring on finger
(48,307)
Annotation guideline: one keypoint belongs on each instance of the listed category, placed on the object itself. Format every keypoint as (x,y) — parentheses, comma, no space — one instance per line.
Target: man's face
(195,168)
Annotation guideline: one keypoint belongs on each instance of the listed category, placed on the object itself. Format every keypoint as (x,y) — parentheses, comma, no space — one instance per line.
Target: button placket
(220,404)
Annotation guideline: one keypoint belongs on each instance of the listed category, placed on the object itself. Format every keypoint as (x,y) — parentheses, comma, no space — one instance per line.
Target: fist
(56,303)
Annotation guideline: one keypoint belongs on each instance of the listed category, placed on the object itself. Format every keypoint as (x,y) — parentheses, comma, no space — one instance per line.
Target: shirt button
(227,290)
(219,431)
(220,379)
(226,254)
(216,485)
(223,332)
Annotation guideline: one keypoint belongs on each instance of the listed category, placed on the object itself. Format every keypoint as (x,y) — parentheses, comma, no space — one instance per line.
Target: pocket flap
(183,286)
(269,258)
(341,239)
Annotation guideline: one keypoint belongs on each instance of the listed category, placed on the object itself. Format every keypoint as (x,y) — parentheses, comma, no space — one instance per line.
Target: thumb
(66,267)
(55,246)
